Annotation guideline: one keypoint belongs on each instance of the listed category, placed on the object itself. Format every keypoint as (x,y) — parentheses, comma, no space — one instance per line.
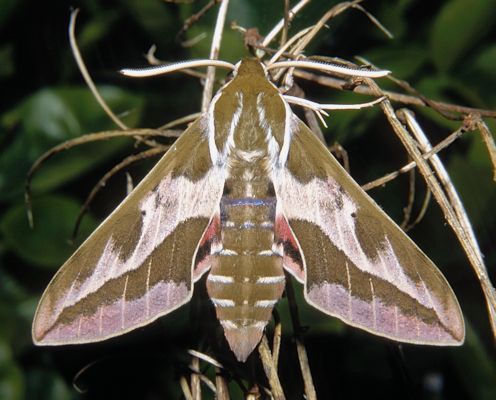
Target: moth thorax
(246,278)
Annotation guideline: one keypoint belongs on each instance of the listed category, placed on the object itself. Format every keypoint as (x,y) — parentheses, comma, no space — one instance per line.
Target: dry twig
(214,54)
(341,84)
(489,141)
(87,77)
(458,218)
(81,140)
(407,211)
(221,385)
(270,369)
(306,373)
(195,379)
(408,167)
(196,17)
(452,216)
(280,25)
(276,341)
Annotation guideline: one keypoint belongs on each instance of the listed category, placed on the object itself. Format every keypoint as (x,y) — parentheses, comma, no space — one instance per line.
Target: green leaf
(458,27)
(49,117)
(47,244)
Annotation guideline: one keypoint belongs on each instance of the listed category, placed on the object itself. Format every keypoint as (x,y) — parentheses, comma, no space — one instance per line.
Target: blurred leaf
(96,28)
(6,8)
(47,244)
(49,117)
(16,313)
(485,63)
(6,63)
(481,74)
(394,18)
(403,61)
(450,90)
(11,379)
(5,353)
(458,27)
(476,368)
(472,176)
(346,125)
(153,16)
(12,324)
(47,384)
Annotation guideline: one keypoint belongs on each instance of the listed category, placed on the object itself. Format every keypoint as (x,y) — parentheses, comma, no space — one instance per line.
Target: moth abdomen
(246,278)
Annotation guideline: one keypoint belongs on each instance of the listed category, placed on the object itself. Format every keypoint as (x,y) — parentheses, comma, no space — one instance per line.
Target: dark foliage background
(445,49)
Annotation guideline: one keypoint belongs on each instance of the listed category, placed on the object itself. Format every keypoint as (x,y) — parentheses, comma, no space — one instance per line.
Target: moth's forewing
(359,265)
(138,264)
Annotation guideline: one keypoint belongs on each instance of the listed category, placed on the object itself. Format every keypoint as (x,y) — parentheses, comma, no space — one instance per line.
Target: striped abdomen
(246,277)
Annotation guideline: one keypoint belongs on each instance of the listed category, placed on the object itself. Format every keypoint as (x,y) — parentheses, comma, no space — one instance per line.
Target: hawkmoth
(246,193)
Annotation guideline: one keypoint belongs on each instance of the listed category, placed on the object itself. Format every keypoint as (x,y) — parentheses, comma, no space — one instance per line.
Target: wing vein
(123,303)
(374,305)
(350,301)
(149,270)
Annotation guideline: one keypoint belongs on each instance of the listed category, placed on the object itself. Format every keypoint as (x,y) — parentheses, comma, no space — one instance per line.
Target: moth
(246,194)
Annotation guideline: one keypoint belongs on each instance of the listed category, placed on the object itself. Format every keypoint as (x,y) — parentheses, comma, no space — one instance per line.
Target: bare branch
(285,29)
(86,75)
(195,379)
(489,141)
(214,54)
(180,121)
(449,213)
(78,141)
(300,347)
(196,17)
(205,357)
(407,211)
(276,341)
(458,218)
(185,388)
(221,385)
(340,84)
(277,28)
(333,12)
(436,149)
(270,370)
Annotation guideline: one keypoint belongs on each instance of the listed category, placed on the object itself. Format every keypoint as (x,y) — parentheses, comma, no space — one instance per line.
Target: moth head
(250,67)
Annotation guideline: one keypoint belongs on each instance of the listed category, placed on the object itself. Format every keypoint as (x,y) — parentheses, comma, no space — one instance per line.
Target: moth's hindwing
(358,264)
(138,264)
